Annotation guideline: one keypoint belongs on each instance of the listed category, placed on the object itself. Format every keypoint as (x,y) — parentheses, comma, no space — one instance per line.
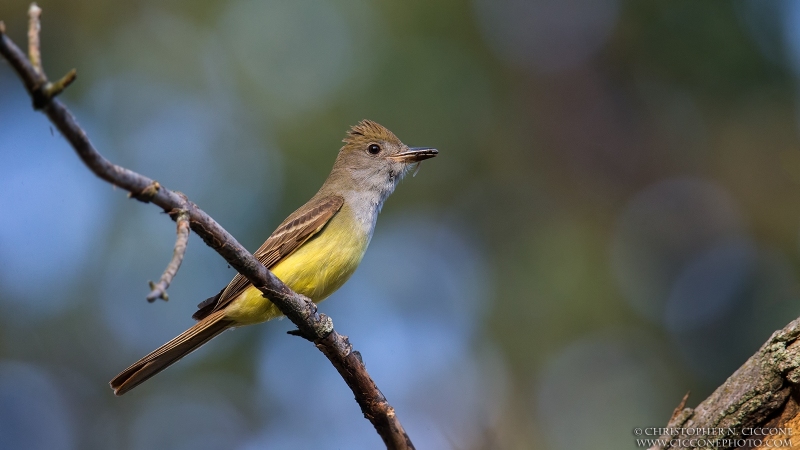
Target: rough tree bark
(315,327)
(762,394)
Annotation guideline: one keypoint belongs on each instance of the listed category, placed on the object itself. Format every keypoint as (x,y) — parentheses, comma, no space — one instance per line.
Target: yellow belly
(317,269)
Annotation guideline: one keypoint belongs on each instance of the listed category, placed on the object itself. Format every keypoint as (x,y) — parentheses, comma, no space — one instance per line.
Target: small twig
(34,51)
(679,409)
(42,91)
(53,89)
(159,290)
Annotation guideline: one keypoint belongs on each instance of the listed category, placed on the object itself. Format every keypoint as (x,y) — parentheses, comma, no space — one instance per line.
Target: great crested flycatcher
(314,251)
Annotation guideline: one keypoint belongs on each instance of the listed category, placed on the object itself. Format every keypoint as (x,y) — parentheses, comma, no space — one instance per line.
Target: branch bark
(312,325)
(762,393)
(159,290)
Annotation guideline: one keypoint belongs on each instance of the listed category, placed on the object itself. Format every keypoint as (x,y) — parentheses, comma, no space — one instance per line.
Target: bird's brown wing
(299,227)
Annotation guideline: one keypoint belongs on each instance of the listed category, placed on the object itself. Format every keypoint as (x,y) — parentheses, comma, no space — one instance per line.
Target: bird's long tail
(164,356)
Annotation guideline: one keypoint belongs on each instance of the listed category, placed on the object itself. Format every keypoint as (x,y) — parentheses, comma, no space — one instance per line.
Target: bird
(314,251)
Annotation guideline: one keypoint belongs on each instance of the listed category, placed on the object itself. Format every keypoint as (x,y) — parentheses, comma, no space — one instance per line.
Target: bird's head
(374,158)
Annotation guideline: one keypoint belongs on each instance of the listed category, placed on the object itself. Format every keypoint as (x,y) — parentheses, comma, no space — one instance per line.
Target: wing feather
(299,227)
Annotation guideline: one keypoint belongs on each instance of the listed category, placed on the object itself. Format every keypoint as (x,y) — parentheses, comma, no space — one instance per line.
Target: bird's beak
(415,154)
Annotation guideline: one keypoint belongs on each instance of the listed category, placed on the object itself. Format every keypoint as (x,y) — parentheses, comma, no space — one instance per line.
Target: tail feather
(172,351)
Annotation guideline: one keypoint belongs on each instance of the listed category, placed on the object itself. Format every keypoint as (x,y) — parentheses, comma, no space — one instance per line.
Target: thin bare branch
(34,26)
(159,290)
(53,89)
(18,62)
(30,69)
(299,309)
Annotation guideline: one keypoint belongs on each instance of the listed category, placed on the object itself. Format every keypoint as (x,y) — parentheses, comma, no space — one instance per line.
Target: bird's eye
(374,149)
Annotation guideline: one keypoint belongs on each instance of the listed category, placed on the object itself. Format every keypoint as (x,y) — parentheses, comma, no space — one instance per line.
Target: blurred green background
(613,219)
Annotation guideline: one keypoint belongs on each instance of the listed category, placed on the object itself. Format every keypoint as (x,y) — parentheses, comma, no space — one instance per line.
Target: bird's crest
(368,131)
